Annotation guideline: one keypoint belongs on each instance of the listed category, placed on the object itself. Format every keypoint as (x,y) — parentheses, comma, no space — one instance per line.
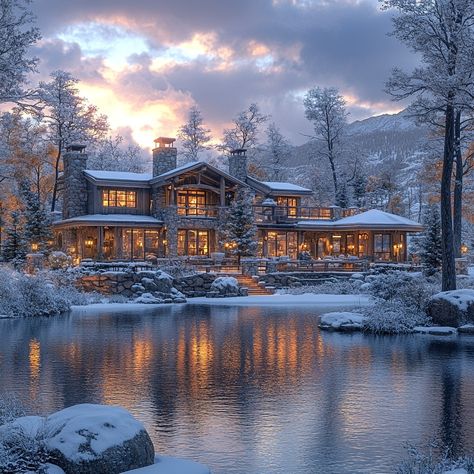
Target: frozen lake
(249,389)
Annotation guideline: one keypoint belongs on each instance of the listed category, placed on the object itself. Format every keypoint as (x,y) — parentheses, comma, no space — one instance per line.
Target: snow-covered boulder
(95,439)
(342,321)
(466,329)
(452,308)
(225,286)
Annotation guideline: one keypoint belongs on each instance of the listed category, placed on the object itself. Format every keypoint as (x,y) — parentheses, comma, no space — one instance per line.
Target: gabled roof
(195,166)
(278,188)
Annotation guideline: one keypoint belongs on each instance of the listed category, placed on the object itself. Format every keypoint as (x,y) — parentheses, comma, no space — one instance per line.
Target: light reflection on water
(249,390)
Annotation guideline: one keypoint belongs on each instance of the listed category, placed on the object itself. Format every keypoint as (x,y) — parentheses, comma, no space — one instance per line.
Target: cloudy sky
(145,62)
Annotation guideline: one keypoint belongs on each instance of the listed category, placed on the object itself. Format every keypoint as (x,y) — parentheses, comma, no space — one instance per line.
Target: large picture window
(117,198)
(282,243)
(382,245)
(193,242)
(192,203)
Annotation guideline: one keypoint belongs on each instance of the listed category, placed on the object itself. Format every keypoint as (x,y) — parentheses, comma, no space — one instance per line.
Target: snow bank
(308,299)
(172,465)
(435,330)
(342,321)
(225,284)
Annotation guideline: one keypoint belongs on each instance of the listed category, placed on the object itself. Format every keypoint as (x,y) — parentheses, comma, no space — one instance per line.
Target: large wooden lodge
(179,211)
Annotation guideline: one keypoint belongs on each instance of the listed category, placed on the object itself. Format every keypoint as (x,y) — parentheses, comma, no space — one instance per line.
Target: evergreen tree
(240,231)
(430,241)
(342,199)
(37,228)
(14,246)
(359,187)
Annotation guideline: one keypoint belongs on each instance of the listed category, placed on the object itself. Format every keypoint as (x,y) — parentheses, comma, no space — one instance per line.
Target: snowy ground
(308,299)
(171,465)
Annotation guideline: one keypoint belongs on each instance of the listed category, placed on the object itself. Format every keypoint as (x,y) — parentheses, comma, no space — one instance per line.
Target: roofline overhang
(347,227)
(119,183)
(263,188)
(70,224)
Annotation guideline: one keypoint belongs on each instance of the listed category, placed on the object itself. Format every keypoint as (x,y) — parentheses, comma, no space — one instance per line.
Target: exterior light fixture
(34,246)
(464,248)
(89,242)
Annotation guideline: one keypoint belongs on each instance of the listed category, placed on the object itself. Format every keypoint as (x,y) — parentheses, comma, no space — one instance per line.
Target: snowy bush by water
(434,460)
(393,317)
(29,295)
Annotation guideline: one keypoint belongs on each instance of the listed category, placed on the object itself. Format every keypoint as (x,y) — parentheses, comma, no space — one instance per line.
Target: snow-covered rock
(452,308)
(341,321)
(97,439)
(172,465)
(148,298)
(225,286)
(435,330)
(466,329)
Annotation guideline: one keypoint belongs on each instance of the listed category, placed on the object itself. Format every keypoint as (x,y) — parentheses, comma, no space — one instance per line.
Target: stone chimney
(238,164)
(74,181)
(164,156)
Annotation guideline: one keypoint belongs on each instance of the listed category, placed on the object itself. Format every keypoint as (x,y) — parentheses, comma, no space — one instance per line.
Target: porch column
(81,248)
(100,242)
(118,242)
(172,194)
(222,192)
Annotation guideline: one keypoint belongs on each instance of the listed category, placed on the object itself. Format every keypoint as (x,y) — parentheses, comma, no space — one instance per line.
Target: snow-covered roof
(107,219)
(373,219)
(118,175)
(378,219)
(179,169)
(281,186)
(277,187)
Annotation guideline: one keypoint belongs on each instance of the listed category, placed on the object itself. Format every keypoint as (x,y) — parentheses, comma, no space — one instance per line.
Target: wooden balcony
(209,212)
(287,214)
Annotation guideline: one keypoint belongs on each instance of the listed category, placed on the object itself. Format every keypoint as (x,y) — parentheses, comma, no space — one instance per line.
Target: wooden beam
(222,191)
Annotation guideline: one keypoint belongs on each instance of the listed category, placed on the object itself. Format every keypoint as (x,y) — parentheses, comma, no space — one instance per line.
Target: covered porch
(111,237)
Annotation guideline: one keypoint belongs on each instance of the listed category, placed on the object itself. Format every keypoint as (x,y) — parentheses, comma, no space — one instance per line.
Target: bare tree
(194,136)
(17,35)
(68,118)
(326,109)
(244,133)
(441,32)
(277,149)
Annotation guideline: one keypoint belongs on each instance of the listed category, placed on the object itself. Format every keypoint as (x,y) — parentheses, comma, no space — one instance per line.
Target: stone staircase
(254,288)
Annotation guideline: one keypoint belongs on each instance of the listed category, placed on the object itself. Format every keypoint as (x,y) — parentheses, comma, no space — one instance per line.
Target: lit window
(115,198)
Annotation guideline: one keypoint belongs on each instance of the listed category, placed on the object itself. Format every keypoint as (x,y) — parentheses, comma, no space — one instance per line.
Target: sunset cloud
(144,63)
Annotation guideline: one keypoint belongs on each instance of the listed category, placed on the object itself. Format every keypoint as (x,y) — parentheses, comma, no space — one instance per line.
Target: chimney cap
(238,151)
(164,142)
(76,147)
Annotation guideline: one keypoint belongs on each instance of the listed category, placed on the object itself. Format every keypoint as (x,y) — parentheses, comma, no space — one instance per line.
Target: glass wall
(363,245)
(137,244)
(193,242)
(282,243)
(192,203)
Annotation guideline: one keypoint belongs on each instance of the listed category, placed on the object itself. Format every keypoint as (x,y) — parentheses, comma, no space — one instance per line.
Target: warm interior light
(34,246)
(89,242)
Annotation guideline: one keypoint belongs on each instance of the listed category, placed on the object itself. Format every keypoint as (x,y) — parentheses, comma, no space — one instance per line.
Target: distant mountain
(400,122)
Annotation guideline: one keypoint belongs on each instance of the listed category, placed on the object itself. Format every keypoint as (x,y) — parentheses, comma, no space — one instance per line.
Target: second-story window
(290,203)
(116,198)
(191,203)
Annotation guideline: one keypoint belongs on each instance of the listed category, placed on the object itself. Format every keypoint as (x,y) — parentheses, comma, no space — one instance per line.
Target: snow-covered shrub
(433,460)
(393,317)
(10,408)
(178,268)
(58,260)
(26,295)
(336,287)
(411,289)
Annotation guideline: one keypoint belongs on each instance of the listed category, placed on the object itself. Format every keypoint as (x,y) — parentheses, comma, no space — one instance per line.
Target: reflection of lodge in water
(182,362)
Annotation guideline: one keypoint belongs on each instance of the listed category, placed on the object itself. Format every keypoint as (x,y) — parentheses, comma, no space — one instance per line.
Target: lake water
(249,389)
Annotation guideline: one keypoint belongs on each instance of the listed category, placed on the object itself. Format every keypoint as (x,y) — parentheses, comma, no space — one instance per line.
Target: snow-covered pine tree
(359,188)
(240,231)
(37,227)
(430,241)
(14,246)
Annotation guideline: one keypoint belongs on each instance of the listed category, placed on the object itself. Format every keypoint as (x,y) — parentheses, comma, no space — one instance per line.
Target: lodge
(180,211)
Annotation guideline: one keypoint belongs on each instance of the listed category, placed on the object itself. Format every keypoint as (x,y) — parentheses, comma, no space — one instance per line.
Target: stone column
(75,184)
(171,219)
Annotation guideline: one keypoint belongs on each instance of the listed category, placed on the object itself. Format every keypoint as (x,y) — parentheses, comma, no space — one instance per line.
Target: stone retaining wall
(295,279)
(195,285)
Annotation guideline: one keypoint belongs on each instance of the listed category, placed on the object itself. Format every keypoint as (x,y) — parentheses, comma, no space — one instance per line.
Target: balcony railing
(283,214)
(198,211)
